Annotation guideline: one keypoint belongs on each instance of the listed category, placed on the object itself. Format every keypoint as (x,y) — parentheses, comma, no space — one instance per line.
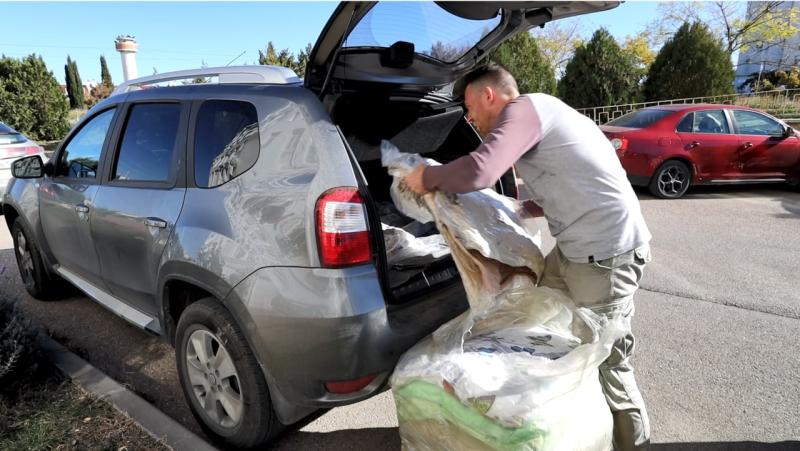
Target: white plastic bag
(519,370)
(404,248)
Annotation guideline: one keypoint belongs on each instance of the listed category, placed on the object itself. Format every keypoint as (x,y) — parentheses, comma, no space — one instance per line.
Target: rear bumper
(330,326)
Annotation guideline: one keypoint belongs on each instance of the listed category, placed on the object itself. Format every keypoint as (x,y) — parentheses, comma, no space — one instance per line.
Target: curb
(90,379)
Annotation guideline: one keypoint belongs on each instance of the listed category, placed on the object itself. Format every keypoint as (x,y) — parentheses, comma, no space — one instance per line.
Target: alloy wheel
(672,181)
(214,379)
(24,259)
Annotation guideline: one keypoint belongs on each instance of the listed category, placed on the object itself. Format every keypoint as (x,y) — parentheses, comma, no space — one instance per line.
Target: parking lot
(716,321)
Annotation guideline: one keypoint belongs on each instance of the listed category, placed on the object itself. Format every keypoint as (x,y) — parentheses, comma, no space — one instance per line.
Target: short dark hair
(491,74)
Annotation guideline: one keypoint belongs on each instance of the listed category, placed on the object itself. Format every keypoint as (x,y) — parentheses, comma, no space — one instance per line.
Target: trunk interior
(435,130)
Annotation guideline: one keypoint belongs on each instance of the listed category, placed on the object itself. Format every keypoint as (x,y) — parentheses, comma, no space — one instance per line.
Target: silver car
(241,220)
(14,145)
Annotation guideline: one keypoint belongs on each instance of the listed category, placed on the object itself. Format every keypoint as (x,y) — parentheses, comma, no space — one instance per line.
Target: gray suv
(241,220)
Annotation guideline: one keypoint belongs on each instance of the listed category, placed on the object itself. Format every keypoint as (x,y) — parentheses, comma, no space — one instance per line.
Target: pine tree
(105,75)
(521,56)
(690,64)
(600,73)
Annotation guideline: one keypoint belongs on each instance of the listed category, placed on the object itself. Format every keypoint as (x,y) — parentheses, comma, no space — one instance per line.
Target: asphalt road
(717,323)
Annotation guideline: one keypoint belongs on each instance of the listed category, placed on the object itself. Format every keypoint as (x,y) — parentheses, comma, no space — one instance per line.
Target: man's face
(478,101)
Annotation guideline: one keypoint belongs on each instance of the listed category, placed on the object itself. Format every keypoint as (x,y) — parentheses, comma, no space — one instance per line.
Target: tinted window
(750,123)
(433,31)
(710,121)
(226,141)
(686,124)
(640,119)
(81,156)
(148,143)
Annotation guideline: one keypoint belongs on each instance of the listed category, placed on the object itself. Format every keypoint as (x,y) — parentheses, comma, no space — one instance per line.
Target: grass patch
(58,415)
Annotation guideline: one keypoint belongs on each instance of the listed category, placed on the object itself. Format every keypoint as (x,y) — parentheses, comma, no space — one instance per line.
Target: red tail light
(620,144)
(342,233)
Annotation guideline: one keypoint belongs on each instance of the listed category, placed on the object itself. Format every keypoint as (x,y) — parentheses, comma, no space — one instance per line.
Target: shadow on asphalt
(369,439)
(712,192)
(727,446)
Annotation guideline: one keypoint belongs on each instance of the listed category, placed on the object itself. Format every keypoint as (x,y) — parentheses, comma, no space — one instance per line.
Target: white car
(14,145)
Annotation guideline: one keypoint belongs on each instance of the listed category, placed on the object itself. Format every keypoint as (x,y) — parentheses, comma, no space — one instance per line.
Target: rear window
(433,31)
(11,138)
(226,141)
(640,118)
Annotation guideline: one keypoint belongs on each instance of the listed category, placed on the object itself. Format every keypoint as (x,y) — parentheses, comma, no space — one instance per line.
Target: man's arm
(518,129)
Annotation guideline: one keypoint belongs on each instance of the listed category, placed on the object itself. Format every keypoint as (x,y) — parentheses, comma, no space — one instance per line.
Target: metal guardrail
(781,103)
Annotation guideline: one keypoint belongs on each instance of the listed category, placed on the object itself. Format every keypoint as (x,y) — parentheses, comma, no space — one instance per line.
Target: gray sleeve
(518,129)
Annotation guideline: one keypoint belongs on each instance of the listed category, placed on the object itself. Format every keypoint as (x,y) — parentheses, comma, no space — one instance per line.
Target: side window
(226,141)
(751,123)
(710,121)
(80,157)
(148,143)
(685,125)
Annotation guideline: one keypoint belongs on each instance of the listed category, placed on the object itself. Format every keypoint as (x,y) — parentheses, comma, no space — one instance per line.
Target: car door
(66,198)
(764,152)
(136,208)
(706,135)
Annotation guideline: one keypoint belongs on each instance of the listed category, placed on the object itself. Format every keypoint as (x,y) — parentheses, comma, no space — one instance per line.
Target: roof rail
(269,75)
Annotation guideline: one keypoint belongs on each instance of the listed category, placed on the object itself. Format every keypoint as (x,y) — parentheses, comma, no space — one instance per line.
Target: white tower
(126,46)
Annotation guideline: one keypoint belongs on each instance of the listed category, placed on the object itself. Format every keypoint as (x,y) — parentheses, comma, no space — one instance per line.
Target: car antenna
(237,57)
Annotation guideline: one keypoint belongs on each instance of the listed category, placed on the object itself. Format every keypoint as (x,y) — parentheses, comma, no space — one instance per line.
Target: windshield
(433,31)
(640,118)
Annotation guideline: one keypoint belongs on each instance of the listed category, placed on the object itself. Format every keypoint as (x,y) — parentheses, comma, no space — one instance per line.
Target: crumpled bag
(406,249)
(519,369)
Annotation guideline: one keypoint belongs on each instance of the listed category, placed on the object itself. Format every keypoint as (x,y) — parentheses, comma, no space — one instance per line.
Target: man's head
(487,90)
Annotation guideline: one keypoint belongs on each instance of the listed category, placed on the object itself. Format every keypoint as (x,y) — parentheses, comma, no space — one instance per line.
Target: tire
(671,180)
(38,281)
(240,412)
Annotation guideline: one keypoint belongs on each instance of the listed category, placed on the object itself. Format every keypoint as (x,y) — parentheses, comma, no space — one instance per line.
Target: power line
(110,47)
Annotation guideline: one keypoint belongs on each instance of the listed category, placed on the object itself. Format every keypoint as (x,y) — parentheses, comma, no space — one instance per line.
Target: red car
(669,147)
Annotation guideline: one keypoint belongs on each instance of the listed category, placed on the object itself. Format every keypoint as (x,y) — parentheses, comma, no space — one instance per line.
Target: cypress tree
(522,57)
(600,73)
(105,75)
(690,64)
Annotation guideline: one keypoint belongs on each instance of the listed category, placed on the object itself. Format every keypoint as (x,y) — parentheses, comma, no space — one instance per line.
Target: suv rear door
(423,45)
(66,199)
(135,209)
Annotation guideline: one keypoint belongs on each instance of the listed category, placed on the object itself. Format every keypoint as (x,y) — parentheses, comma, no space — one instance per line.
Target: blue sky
(182,35)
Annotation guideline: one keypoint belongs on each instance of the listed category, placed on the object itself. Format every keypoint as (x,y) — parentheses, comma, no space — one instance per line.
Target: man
(578,184)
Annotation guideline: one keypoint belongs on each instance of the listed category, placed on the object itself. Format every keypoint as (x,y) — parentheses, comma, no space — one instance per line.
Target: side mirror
(788,132)
(28,168)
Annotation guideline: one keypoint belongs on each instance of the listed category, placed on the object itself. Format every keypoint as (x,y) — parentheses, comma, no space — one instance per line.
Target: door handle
(747,145)
(82,209)
(694,144)
(155,222)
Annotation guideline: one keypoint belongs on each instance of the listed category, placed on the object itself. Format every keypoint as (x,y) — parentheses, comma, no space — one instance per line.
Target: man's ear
(489,93)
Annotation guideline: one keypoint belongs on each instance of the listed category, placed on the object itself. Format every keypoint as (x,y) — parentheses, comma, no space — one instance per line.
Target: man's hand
(413,181)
